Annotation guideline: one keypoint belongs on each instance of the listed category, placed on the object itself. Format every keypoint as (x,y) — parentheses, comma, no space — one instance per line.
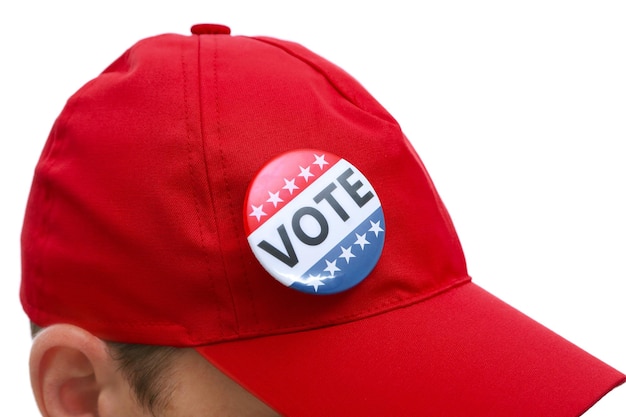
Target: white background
(518,110)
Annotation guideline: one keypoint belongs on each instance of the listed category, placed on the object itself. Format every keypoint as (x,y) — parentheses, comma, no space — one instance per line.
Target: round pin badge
(314,221)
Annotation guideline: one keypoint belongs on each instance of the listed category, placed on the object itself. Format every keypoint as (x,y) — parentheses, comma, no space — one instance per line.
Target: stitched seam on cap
(326,76)
(218,130)
(234,214)
(60,318)
(389,304)
(381,308)
(212,286)
(47,159)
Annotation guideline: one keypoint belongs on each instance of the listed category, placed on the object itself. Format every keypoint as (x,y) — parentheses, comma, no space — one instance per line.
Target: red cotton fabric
(134,231)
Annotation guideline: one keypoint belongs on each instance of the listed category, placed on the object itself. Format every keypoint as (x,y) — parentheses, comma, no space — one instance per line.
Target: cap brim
(461,353)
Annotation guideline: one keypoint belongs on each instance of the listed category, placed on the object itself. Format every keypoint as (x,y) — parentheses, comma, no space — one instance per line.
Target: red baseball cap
(246,197)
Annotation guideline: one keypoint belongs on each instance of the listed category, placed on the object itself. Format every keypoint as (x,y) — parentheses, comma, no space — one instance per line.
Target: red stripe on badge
(280,181)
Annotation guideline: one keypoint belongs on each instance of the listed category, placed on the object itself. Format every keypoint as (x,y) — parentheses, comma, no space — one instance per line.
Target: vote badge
(314,221)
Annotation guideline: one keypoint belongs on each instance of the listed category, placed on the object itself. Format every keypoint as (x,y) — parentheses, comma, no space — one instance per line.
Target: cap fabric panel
(301,117)
(128,203)
(340,80)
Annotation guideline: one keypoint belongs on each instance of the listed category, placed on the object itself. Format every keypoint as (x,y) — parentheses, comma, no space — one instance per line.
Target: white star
(331,267)
(315,281)
(290,185)
(306,173)
(347,254)
(360,240)
(375,228)
(319,160)
(257,212)
(274,198)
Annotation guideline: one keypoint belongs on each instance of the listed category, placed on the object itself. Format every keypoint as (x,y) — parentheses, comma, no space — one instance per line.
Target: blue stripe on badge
(349,262)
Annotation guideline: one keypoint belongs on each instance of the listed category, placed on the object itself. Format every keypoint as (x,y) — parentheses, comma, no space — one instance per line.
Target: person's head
(219,215)
(75,373)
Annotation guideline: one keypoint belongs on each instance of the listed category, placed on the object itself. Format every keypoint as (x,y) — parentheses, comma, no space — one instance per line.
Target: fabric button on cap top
(210,29)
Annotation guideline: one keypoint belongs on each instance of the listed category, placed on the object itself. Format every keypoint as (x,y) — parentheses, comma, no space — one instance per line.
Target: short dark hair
(145,367)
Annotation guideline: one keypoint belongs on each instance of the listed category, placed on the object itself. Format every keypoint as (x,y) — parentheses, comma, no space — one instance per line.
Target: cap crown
(134,225)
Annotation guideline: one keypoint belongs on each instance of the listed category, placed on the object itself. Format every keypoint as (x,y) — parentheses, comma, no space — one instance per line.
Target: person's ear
(71,372)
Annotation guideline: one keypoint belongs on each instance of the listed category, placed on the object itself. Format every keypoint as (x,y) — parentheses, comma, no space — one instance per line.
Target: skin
(72,374)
